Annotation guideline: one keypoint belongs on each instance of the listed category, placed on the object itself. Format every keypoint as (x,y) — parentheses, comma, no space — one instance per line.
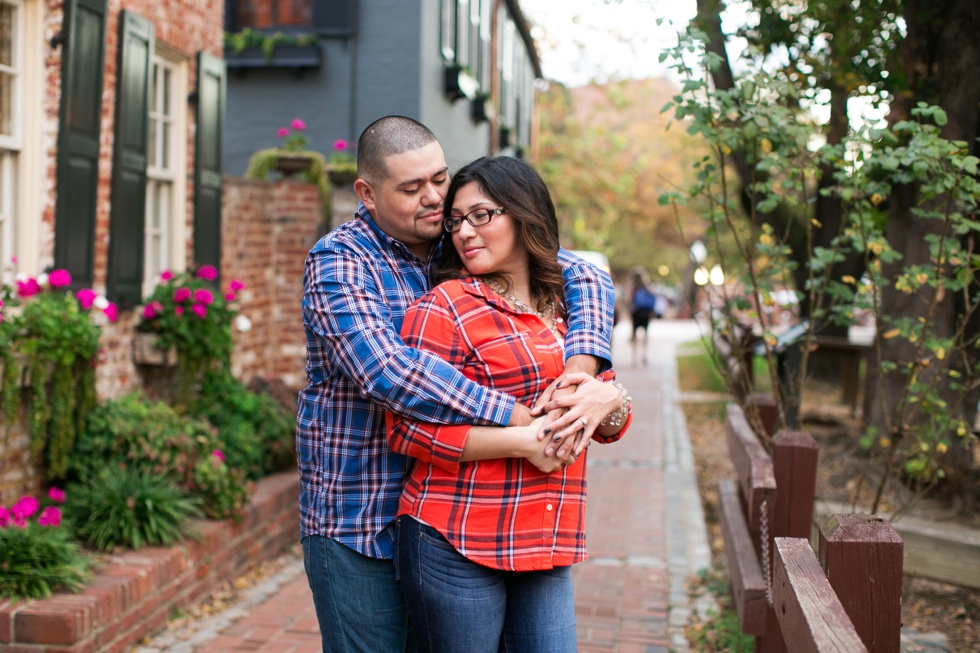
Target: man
(359,280)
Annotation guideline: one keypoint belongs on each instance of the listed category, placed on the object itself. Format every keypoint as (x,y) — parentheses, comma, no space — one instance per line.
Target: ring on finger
(584,421)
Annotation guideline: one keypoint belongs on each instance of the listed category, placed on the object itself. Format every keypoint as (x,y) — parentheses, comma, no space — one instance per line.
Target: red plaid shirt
(502,513)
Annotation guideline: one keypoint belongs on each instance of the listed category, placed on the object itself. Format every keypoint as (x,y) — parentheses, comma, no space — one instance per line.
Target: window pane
(7,185)
(274,13)
(6,35)
(6,104)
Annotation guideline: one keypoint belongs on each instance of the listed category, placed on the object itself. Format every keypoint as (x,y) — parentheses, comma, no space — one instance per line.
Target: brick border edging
(134,593)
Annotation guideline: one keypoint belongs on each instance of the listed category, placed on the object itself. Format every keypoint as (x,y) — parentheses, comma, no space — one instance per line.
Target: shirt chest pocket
(516,363)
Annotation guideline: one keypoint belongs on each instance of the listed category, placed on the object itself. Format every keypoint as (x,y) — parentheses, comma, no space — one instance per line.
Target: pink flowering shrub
(186,312)
(37,554)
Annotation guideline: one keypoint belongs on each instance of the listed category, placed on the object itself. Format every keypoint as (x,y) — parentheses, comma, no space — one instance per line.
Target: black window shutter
(334,17)
(128,218)
(207,164)
(77,176)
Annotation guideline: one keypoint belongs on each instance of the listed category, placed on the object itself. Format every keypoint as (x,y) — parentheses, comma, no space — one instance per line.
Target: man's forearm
(582,363)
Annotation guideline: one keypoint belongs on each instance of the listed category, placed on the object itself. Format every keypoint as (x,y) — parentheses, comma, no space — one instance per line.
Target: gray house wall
(392,65)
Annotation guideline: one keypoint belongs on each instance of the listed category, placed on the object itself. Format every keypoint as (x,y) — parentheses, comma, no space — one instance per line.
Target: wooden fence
(849,598)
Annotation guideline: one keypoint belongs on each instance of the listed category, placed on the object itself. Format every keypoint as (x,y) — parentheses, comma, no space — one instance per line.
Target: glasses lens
(452,224)
(479,217)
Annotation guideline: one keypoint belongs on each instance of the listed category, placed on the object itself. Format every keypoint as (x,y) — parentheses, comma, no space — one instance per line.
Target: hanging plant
(56,333)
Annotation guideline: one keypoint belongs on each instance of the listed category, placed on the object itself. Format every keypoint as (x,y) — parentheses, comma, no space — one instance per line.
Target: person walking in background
(642,303)
(485,542)
(359,280)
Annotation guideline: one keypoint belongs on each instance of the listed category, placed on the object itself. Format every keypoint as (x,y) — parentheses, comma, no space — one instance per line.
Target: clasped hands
(566,415)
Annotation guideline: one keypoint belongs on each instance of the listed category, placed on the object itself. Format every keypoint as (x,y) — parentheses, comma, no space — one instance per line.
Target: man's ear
(366,192)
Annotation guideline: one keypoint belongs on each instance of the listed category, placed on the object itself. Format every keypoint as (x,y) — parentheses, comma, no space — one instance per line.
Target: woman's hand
(588,405)
(542,454)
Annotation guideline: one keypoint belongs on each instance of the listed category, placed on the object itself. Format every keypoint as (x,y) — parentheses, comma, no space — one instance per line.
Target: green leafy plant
(221,487)
(37,553)
(132,432)
(256,433)
(266,41)
(9,378)
(186,312)
(130,508)
(55,331)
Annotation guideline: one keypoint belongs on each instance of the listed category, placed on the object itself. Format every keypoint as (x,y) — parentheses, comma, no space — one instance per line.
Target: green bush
(130,508)
(256,433)
(221,487)
(37,556)
(132,432)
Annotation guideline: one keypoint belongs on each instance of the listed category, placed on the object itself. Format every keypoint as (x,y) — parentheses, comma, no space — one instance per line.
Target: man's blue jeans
(458,606)
(357,601)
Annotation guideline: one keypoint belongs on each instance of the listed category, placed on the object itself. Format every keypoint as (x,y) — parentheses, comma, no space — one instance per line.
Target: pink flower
(229,296)
(56,494)
(28,288)
(111,311)
(298,124)
(25,507)
(340,145)
(208,272)
(182,295)
(235,285)
(150,311)
(13,259)
(50,516)
(59,278)
(85,297)
(166,275)
(4,517)
(283,132)
(200,310)
(179,310)
(218,454)
(203,296)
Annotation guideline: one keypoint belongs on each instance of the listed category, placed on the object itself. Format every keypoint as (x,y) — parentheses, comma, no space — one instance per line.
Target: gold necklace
(548,317)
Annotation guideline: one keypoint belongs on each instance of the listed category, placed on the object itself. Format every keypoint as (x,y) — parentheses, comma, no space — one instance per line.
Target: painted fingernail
(547,431)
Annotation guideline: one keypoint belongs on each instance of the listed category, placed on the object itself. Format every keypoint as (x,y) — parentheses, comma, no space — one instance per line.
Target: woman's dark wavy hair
(516,186)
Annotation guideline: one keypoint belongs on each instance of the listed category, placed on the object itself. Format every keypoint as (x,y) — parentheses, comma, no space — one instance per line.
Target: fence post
(794,463)
(862,557)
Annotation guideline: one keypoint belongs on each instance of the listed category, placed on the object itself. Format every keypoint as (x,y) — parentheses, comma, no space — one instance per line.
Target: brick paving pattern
(644,527)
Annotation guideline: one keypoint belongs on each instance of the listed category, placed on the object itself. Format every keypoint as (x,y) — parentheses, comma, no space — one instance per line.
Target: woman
(485,546)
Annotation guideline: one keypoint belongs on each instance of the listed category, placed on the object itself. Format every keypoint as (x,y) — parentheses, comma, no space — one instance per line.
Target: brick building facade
(260,232)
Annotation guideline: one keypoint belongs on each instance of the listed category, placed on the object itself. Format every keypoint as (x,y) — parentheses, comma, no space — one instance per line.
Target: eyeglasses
(476,218)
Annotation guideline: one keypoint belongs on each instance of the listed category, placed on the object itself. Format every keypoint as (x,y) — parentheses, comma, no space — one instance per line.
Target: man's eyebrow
(422,180)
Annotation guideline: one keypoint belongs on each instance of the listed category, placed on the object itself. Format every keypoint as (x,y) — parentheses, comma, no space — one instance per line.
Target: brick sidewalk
(644,526)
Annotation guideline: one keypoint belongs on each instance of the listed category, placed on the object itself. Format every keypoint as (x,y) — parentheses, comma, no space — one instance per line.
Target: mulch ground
(927,606)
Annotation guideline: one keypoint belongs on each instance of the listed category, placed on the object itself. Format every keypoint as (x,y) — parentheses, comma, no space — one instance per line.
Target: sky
(584,40)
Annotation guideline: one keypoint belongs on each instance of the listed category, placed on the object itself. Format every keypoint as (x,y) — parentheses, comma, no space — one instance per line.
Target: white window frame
(463,34)
(11,144)
(166,241)
(447,30)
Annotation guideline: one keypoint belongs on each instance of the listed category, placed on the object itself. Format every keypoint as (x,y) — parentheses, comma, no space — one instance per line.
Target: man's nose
(431,195)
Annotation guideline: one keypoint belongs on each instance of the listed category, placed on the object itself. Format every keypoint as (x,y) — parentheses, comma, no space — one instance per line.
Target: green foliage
(37,560)
(221,487)
(187,312)
(37,553)
(131,432)
(60,342)
(761,128)
(265,41)
(257,435)
(721,632)
(130,508)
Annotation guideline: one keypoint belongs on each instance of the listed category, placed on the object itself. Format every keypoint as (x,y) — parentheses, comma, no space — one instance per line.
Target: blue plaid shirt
(357,285)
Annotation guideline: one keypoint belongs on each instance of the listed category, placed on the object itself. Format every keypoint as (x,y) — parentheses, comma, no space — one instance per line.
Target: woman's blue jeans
(457,605)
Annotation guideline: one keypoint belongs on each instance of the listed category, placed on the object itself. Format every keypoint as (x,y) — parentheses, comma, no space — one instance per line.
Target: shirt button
(559,320)
(548,507)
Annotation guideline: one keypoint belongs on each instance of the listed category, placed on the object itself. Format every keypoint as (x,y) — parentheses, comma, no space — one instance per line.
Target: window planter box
(283,56)
(145,351)
(459,83)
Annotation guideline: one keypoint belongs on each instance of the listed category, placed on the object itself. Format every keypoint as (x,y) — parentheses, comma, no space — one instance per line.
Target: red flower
(112,312)
(28,287)
(56,494)
(200,310)
(297,124)
(166,275)
(85,297)
(236,285)
(182,295)
(203,296)
(50,516)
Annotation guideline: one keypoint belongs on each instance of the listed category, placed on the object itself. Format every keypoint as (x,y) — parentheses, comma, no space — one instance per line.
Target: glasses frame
(447,223)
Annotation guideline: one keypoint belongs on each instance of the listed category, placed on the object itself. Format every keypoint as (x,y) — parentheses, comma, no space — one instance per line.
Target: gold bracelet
(618,417)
